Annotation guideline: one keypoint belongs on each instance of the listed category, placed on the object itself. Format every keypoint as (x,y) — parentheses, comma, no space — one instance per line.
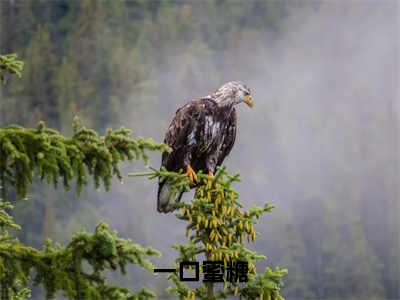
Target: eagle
(201,135)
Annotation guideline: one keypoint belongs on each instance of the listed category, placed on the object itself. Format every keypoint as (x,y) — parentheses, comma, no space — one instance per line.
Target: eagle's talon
(191,174)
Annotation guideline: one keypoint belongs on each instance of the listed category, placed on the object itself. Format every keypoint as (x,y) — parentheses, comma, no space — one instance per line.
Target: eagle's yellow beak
(247,99)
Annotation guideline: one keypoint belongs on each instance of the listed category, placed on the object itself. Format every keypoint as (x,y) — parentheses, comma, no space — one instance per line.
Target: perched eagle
(201,135)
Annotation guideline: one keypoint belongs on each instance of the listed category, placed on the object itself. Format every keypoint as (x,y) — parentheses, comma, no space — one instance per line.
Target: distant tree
(36,88)
(17,36)
(69,89)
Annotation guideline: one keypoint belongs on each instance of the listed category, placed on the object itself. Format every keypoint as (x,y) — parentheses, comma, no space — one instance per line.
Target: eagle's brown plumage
(201,135)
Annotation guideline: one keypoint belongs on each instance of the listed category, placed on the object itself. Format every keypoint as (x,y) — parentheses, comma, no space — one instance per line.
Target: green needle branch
(11,64)
(52,156)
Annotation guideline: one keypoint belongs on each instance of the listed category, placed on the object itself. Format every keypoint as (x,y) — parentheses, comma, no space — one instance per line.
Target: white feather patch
(212,128)
(192,138)
(215,129)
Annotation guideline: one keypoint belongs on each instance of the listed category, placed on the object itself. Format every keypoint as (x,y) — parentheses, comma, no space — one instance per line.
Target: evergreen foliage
(217,226)
(10,64)
(53,156)
(26,151)
(75,269)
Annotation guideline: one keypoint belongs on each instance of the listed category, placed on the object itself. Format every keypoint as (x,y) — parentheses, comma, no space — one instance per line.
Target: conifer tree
(217,227)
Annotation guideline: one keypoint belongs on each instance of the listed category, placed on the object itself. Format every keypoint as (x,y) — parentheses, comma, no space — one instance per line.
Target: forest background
(322,141)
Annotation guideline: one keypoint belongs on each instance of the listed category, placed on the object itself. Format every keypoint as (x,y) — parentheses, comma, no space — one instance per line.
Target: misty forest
(318,154)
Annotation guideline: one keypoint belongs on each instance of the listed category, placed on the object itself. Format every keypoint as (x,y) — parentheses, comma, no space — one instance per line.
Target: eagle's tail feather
(165,198)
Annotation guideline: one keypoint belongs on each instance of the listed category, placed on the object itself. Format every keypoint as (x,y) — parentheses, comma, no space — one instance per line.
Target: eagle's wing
(181,135)
(229,138)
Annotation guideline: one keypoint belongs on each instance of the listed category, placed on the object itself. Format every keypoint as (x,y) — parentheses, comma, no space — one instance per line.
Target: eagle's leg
(210,179)
(191,174)
(211,165)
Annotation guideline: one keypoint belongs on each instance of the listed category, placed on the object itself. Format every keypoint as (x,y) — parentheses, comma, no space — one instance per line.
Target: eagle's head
(232,93)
